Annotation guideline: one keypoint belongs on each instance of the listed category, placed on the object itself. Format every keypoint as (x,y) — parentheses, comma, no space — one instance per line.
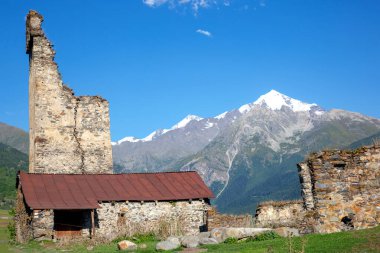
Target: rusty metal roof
(78,191)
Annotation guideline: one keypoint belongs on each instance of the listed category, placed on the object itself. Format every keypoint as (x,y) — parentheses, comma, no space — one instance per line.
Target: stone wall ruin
(68,134)
(279,214)
(217,220)
(340,190)
(345,188)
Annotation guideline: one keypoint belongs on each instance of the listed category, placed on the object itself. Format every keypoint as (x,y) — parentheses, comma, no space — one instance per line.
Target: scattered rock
(286,231)
(166,245)
(90,248)
(233,233)
(221,234)
(217,234)
(142,246)
(190,241)
(204,235)
(174,240)
(126,245)
(207,241)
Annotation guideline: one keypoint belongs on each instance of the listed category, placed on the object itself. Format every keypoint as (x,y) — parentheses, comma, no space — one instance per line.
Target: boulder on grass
(286,232)
(190,241)
(237,233)
(207,241)
(217,234)
(126,245)
(221,234)
(174,240)
(204,235)
(166,245)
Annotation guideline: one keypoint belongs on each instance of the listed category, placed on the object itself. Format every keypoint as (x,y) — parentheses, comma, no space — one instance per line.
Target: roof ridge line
(108,174)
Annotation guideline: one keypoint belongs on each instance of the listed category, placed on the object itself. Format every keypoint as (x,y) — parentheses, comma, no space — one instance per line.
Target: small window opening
(347,221)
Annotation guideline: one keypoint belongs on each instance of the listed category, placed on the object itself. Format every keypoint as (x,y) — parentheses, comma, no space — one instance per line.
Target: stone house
(70,190)
(84,206)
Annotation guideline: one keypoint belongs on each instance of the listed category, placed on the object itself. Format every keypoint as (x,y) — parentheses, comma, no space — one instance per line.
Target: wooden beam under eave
(92,223)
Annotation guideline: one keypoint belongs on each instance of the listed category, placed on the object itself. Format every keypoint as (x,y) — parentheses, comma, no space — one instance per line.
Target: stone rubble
(190,241)
(126,245)
(287,232)
(166,245)
(216,236)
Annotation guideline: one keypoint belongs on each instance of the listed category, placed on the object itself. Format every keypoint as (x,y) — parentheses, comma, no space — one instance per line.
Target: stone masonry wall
(122,218)
(345,187)
(217,220)
(117,219)
(340,190)
(279,214)
(43,224)
(68,134)
(22,219)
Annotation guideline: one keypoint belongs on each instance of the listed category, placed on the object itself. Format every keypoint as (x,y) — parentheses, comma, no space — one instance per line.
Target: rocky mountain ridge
(249,154)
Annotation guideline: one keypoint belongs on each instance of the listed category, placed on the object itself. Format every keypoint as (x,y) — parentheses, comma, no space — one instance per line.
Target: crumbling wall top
(33,28)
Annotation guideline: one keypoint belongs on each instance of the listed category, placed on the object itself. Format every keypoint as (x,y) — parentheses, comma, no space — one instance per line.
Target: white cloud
(195,5)
(204,32)
(154,3)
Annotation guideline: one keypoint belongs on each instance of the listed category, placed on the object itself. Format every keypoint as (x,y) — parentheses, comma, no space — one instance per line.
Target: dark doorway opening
(68,223)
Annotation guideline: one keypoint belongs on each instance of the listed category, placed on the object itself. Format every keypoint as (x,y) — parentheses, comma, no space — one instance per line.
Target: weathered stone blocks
(68,134)
(340,190)
(345,188)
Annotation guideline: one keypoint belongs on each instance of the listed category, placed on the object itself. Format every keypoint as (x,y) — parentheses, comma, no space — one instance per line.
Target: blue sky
(155,61)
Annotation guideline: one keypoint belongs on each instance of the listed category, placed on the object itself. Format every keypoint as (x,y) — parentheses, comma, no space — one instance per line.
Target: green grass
(4,247)
(355,241)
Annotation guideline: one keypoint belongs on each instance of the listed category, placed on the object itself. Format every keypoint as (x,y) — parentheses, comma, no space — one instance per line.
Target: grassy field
(355,241)
(4,219)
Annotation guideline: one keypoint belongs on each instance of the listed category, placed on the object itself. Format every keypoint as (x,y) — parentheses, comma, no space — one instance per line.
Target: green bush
(138,238)
(265,236)
(231,240)
(12,227)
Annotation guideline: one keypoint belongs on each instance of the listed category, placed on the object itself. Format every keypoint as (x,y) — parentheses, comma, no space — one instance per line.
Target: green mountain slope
(366,141)
(11,161)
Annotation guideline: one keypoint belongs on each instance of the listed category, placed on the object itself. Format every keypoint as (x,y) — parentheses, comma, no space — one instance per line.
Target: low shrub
(264,236)
(12,227)
(231,240)
(140,238)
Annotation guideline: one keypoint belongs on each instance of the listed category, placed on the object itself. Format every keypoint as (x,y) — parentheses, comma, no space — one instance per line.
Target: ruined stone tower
(68,134)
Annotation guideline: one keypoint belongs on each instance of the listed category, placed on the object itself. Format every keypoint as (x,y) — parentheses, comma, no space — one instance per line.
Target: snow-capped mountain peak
(128,138)
(275,101)
(186,121)
(183,123)
(221,116)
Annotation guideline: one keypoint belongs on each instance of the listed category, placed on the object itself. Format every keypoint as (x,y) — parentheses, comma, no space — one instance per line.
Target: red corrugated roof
(78,191)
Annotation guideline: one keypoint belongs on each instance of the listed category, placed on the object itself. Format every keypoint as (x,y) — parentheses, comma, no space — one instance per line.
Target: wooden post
(92,223)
